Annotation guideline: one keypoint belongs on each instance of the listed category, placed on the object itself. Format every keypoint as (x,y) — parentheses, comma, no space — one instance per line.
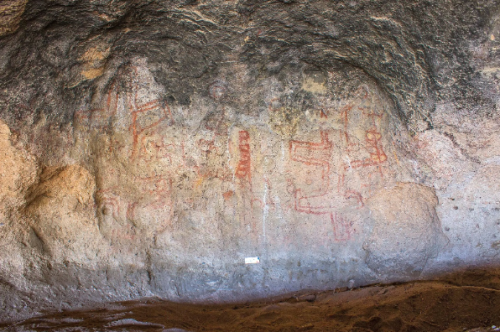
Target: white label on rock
(252,260)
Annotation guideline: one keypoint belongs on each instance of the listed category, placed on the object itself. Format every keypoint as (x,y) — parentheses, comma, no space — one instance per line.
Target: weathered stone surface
(407,231)
(17,173)
(157,144)
(10,15)
(59,214)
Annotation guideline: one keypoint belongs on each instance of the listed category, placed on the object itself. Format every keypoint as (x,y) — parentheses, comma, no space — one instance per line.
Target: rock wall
(149,148)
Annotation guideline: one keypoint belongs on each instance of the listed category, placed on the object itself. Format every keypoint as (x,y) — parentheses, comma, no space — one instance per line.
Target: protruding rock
(10,15)
(407,230)
(17,172)
(61,210)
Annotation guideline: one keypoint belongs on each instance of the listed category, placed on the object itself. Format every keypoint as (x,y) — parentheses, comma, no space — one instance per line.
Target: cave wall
(150,147)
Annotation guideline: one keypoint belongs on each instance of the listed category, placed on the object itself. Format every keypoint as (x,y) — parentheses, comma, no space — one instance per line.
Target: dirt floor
(468,301)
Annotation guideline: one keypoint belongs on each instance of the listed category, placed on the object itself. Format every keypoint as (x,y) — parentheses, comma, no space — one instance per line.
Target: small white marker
(252,260)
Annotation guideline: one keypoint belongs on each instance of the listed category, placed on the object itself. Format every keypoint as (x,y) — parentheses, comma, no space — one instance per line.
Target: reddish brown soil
(458,303)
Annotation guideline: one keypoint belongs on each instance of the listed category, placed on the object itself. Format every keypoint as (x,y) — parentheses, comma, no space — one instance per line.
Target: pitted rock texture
(408,213)
(10,15)
(149,147)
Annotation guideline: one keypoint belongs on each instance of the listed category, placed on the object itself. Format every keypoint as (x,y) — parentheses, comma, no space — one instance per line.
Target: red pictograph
(217,90)
(99,118)
(131,211)
(146,116)
(228,195)
(318,201)
(159,189)
(208,146)
(211,148)
(313,154)
(205,169)
(243,170)
(156,199)
(243,173)
(156,149)
(344,134)
(356,195)
(374,148)
(373,140)
(143,115)
(109,203)
(342,227)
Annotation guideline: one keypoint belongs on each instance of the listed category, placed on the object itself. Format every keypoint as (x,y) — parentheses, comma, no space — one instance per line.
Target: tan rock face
(18,171)
(10,15)
(59,210)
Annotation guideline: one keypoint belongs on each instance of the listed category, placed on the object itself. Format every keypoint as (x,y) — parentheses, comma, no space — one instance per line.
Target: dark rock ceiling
(419,52)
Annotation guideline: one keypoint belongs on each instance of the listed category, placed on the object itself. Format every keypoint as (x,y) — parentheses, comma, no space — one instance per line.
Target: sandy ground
(468,301)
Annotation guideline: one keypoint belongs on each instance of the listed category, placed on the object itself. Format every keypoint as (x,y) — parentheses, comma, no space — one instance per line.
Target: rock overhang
(155,145)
